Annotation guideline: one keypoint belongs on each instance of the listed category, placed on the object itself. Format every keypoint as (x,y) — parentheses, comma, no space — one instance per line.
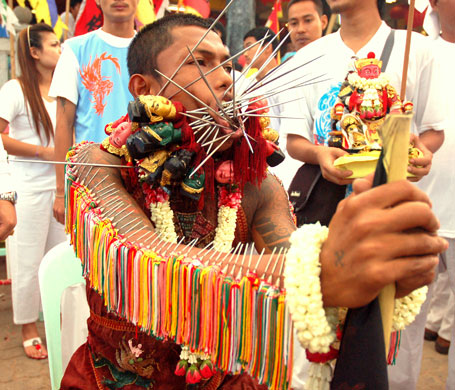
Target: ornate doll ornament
(365,99)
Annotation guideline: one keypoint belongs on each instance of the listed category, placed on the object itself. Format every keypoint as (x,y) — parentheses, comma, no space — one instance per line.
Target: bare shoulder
(268,213)
(93,154)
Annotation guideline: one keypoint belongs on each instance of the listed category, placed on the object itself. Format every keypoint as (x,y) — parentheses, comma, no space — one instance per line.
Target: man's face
(305,23)
(75,10)
(118,11)
(249,54)
(209,54)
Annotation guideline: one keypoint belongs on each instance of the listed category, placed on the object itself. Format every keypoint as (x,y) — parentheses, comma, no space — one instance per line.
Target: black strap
(388,46)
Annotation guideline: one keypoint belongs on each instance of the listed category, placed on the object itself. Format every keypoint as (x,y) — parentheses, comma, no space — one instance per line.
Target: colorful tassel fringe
(242,325)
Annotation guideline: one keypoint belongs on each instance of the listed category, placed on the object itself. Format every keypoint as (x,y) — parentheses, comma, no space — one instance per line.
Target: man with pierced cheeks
(378,236)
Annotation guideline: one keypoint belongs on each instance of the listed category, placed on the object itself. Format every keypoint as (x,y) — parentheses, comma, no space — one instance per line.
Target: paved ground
(17,372)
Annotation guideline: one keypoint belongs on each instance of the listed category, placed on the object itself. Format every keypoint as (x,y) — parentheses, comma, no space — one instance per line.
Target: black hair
(260,32)
(219,28)
(153,38)
(380,4)
(73,3)
(317,3)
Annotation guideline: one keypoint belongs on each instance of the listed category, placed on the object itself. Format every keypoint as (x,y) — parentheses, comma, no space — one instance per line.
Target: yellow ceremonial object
(363,163)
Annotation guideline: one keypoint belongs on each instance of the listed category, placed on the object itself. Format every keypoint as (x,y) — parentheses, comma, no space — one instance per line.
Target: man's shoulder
(420,44)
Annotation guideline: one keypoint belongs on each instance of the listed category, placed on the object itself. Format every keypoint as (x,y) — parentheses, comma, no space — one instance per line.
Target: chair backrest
(59,269)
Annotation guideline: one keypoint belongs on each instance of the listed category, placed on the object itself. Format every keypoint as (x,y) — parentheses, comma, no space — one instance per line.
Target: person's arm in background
(19,148)
(7,210)
(64,89)
(430,107)
(66,113)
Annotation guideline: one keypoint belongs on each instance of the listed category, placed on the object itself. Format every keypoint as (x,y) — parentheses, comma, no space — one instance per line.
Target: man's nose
(301,27)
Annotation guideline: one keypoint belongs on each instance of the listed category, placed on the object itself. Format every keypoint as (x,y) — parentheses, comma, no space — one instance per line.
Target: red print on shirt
(99,86)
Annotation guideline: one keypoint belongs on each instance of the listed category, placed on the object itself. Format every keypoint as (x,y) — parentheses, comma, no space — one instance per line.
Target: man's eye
(228,68)
(199,61)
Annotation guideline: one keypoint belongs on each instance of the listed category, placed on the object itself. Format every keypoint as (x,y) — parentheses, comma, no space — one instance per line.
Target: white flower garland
(316,325)
(163,218)
(407,308)
(225,231)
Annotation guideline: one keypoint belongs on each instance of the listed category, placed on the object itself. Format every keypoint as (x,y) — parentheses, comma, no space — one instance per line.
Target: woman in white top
(30,114)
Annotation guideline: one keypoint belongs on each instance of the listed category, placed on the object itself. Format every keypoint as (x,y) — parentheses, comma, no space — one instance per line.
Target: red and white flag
(89,18)
(273,20)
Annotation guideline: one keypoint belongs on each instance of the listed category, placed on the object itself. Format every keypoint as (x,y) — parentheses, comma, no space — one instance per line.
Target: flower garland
(229,202)
(315,325)
(407,308)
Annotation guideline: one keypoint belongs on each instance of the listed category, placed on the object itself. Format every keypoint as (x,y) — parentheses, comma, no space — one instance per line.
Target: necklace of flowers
(229,200)
(364,84)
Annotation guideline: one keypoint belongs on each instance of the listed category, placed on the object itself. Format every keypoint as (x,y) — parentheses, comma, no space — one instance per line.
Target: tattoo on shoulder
(339,255)
(62,102)
(273,234)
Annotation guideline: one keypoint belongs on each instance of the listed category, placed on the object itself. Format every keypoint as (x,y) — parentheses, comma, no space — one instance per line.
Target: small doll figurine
(117,139)
(149,108)
(152,137)
(224,173)
(151,167)
(365,98)
(176,166)
(193,185)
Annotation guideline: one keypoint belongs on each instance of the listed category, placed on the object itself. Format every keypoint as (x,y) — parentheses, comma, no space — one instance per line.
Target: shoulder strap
(387,49)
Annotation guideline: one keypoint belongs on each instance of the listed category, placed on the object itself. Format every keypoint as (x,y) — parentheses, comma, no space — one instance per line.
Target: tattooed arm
(66,113)
(271,220)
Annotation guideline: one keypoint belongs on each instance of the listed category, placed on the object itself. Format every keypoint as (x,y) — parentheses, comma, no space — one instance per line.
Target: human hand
(46,153)
(59,209)
(419,166)
(377,237)
(326,157)
(7,219)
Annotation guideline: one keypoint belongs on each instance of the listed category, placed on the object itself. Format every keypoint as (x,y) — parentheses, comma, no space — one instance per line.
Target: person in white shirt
(440,26)
(75,5)
(362,31)
(7,197)
(30,114)
(91,83)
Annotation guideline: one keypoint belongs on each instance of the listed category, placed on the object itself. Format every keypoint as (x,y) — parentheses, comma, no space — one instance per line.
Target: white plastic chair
(59,269)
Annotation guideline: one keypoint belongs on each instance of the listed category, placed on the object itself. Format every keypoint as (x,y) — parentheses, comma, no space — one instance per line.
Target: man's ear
(324,22)
(140,84)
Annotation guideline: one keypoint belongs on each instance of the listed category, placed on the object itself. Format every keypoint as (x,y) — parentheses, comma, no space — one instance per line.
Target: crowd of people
(401,233)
